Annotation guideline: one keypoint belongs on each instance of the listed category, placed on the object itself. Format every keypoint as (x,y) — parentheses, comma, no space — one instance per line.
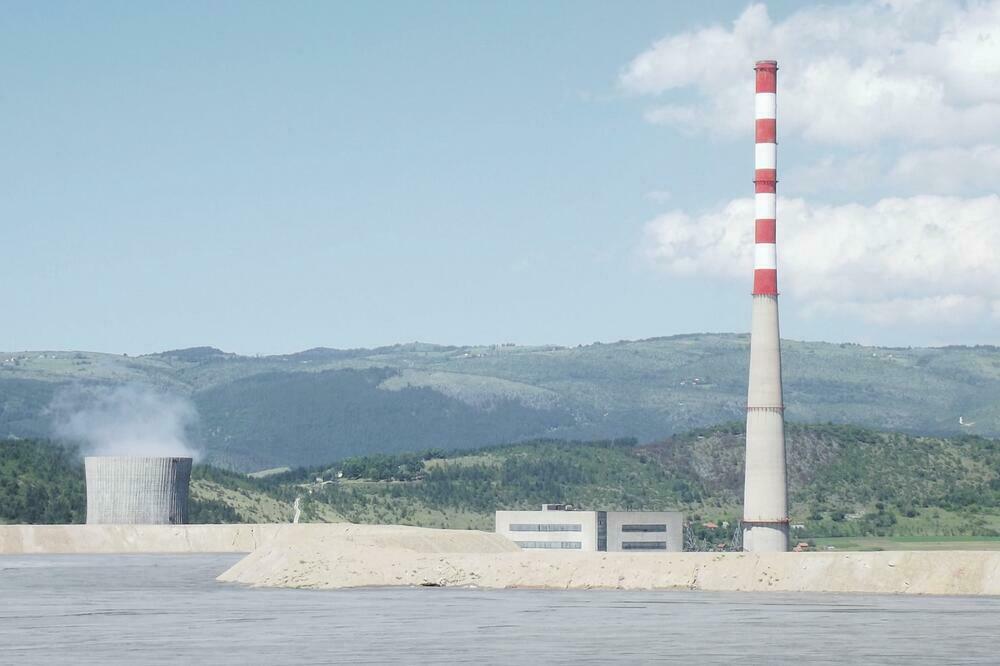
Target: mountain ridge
(420,395)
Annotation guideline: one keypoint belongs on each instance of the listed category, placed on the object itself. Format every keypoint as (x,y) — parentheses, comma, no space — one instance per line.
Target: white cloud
(917,259)
(958,170)
(904,95)
(837,174)
(853,74)
(949,170)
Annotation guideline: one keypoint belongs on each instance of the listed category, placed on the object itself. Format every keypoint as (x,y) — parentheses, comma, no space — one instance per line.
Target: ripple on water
(106,609)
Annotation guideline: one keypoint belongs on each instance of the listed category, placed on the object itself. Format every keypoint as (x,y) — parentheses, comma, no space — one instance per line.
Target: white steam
(127,420)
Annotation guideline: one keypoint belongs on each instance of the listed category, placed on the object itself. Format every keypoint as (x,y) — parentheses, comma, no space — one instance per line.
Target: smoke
(126,420)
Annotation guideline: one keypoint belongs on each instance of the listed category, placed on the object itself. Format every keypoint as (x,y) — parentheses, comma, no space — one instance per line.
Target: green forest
(42,483)
(844,481)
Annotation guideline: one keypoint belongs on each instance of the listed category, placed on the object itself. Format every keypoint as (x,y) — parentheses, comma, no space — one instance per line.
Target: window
(545,527)
(644,545)
(602,531)
(568,545)
(644,528)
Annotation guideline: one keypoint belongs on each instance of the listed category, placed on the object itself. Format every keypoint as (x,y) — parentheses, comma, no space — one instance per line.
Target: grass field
(908,543)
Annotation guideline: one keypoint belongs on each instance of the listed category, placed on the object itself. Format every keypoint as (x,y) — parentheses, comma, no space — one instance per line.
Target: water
(153,609)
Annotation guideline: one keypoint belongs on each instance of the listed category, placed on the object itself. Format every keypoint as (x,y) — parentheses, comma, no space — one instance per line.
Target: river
(156,609)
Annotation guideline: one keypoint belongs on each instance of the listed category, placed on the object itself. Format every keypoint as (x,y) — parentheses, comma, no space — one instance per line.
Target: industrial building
(765,493)
(132,490)
(557,527)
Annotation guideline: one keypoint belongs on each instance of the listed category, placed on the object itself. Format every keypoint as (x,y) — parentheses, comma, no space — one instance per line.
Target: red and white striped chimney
(765,267)
(765,499)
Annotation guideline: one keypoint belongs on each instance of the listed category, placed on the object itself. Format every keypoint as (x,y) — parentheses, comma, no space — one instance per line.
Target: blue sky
(268,177)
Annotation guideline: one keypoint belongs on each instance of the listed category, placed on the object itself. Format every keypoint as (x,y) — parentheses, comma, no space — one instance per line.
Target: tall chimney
(765,501)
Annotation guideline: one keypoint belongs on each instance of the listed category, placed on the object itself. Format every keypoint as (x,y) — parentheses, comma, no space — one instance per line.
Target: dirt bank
(344,555)
(354,556)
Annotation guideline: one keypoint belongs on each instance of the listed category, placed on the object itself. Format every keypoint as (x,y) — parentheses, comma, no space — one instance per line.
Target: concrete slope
(346,555)
(361,556)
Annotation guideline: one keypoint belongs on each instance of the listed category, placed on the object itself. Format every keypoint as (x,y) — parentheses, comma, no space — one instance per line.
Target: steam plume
(126,420)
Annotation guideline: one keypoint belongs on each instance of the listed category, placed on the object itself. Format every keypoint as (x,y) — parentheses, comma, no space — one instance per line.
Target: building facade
(558,528)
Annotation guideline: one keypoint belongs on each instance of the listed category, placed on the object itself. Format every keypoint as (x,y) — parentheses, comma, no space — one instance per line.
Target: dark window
(644,545)
(644,528)
(602,531)
(545,527)
(568,545)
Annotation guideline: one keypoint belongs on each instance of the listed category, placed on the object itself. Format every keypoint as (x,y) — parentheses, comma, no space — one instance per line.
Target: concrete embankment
(354,556)
(242,538)
(345,555)
(72,539)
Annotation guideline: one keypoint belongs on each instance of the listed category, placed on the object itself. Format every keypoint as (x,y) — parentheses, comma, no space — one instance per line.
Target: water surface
(155,609)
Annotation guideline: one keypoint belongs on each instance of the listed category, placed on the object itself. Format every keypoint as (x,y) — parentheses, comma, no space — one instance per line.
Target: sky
(271,177)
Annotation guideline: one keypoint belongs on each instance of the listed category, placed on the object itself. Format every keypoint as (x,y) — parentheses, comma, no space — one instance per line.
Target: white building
(556,527)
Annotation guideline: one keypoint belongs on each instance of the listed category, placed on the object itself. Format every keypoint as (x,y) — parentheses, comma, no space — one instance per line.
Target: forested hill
(843,481)
(42,482)
(326,404)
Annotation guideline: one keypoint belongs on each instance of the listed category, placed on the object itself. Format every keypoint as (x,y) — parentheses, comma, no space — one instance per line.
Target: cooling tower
(765,501)
(137,490)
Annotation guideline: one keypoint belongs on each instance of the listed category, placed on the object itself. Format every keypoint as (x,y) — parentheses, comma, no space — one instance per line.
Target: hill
(327,404)
(844,481)
(43,483)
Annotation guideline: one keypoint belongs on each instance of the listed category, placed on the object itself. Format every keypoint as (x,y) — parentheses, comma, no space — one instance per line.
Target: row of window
(644,545)
(545,527)
(576,545)
(572,527)
(570,545)
(644,528)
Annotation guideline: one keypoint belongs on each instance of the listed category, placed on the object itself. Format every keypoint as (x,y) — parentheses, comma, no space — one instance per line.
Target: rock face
(344,556)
